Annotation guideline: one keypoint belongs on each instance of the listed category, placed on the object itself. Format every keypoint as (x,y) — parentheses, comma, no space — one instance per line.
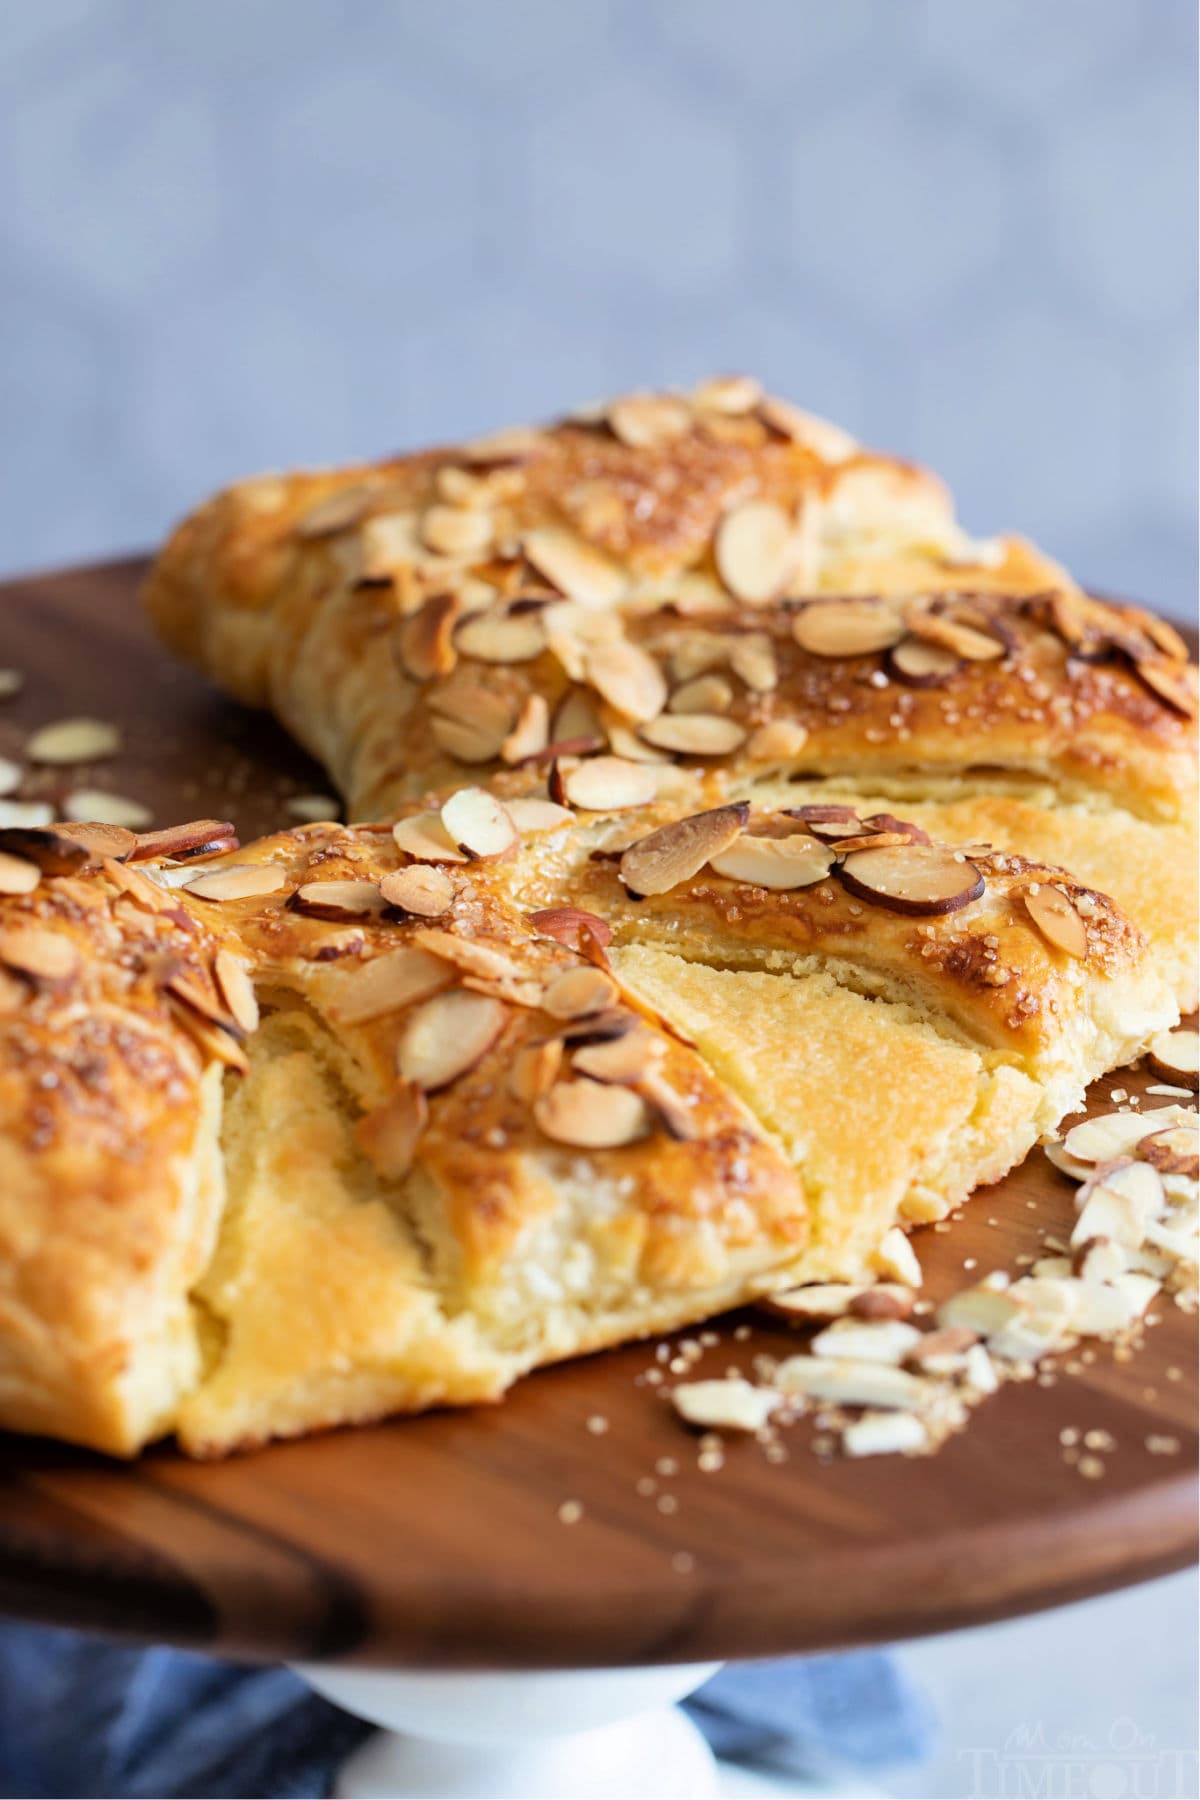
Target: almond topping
(73,741)
(628,679)
(535,1069)
(237,881)
(676,852)
(731,394)
(426,640)
(196,837)
(237,990)
(501,638)
(452,531)
(915,878)
(885,1434)
(470,740)
(626,1059)
(1055,916)
(867,1340)
(706,694)
(535,815)
(896,1259)
(961,640)
(778,741)
(529,736)
(1175,1151)
(847,627)
(1175,1055)
(563,924)
(335,512)
(578,993)
(576,717)
(55,852)
(922,664)
(388,1137)
(826,440)
(101,808)
(447,1036)
(387,984)
(592,1116)
(730,1405)
(16,875)
(755,551)
(644,421)
(425,838)
(420,889)
(339,899)
(44,955)
(574,567)
(468,954)
(609,784)
(1171,681)
(478,824)
(828,822)
(833,1300)
(517,443)
(853,1383)
(694,734)
(752,659)
(779,864)
(1110,1135)
(139,887)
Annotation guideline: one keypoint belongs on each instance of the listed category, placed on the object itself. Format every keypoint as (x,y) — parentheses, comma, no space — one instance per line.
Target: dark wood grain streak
(436,1541)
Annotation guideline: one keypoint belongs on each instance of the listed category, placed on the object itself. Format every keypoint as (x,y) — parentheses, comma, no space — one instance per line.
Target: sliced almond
(706,694)
(961,640)
(446,1036)
(847,627)
(1172,681)
(853,1383)
(829,822)
(922,664)
(913,878)
(25,812)
(469,739)
(733,394)
(211,1036)
(752,659)
(237,990)
(948,1340)
(335,512)
(472,955)
(591,1115)
(576,717)
(146,893)
(99,840)
(644,421)
(17,876)
(425,644)
(530,734)
(1175,1055)
(755,550)
(425,838)
(729,1405)
(534,816)
(825,439)
(339,899)
(99,807)
(779,864)
(579,993)
(535,1069)
(388,1137)
(501,637)
(1109,1135)
(831,1300)
(198,837)
(778,741)
(387,547)
(626,1059)
(885,1434)
(478,824)
(896,1259)
(564,924)
(389,983)
(454,531)
(420,889)
(73,741)
(983,1309)
(1054,914)
(515,444)
(694,734)
(55,852)
(237,881)
(574,567)
(1175,1151)
(43,955)
(609,784)
(867,1340)
(624,742)
(676,852)
(628,678)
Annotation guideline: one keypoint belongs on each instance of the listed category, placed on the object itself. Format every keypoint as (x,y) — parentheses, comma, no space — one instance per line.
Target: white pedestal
(592,1734)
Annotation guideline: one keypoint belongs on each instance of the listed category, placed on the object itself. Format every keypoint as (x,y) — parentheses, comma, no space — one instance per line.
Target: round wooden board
(438,1541)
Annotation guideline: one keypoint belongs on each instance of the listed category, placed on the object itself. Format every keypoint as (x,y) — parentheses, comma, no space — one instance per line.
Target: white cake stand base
(589,1734)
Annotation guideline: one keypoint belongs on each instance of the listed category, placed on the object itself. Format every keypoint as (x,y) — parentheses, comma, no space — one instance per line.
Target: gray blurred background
(240,233)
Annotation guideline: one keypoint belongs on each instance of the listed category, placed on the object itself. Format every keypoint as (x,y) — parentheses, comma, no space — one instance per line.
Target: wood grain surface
(437,1542)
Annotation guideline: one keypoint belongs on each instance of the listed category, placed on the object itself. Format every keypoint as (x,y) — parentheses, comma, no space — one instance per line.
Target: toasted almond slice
(73,741)
(17,875)
(1172,681)
(99,840)
(1109,1135)
(883,1300)
(535,815)
(733,394)
(312,809)
(501,638)
(470,739)
(755,550)
(564,924)
(425,644)
(478,824)
(913,878)
(825,439)
(237,990)
(197,837)
(101,808)
(576,717)
(778,741)
(212,1036)
(389,1136)
(454,531)
(885,822)
(420,889)
(425,839)
(706,694)
(389,983)
(729,1405)
(237,881)
(147,894)
(676,852)
(26,812)
(983,1309)
(829,822)
(515,444)
(609,784)
(948,1340)
(624,742)
(591,1115)
(873,840)
(921,663)
(470,954)
(572,566)
(867,1340)
(43,955)
(896,1259)
(847,627)
(628,678)
(885,1434)
(626,1060)
(694,734)
(535,1069)
(448,1035)
(55,852)
(752,659)
(345,899)
(779,864)
(818,1300)
(335,512)
(1175,1055)
(530,734)
(643,421)
(963,641)
(1054,914)
(579,993)
(853,1383)
(1175,1151)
